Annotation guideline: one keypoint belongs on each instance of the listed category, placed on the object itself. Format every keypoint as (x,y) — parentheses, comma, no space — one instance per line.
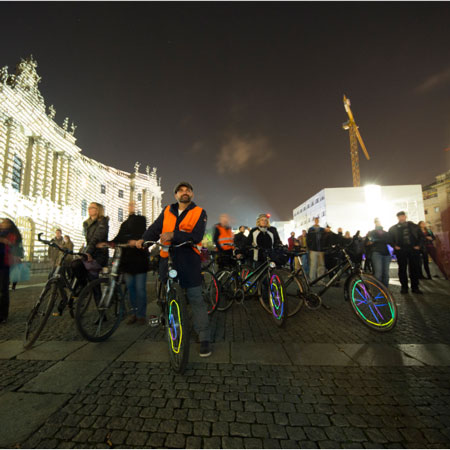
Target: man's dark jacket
(414,235)
(133,260)
(186,260)
(314,239)
(239,240)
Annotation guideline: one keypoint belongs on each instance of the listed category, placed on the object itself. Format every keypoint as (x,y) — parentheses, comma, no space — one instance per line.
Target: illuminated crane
(354,138)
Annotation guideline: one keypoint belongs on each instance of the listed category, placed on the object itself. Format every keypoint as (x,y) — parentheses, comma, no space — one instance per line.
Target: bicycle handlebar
(149,243)
(54,245)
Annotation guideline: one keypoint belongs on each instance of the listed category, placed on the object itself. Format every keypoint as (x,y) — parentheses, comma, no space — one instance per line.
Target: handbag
(19,272)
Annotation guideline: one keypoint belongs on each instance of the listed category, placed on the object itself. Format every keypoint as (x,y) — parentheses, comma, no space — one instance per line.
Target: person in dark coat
(95,230)
(377,241)
(10,243)
(406,239)
(134,263)
(240,239)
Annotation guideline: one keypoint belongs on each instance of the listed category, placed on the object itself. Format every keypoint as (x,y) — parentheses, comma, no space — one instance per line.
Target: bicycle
(174,313)
(242,280)
(54,289)
(101,304)
(371,301)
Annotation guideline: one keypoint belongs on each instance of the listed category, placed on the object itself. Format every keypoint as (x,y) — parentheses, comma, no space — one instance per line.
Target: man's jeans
(136,285)
(199,312)
(317,264)
(381,265)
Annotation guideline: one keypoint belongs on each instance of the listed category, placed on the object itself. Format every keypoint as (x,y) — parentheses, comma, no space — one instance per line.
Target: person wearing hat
(406,239)
(180,222)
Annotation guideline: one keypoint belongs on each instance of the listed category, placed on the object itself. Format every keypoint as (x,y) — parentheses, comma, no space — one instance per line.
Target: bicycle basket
(279,256)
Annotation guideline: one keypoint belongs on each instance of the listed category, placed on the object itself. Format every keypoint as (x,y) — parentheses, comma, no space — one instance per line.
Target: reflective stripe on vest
(226,236)
(186,225)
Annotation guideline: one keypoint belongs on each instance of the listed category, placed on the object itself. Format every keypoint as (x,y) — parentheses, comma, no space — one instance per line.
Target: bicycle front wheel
(294,291)
(178,328)
(210,290)
(227,289)
(372,302)
(96,320)
(40,313)
(272,296)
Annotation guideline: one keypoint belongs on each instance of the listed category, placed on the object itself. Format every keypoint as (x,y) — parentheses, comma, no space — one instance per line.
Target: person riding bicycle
(224,240)
(180,222)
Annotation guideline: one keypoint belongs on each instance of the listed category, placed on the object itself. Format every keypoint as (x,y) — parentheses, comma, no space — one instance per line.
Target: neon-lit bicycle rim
(175,348)
(278,295)
(363,300)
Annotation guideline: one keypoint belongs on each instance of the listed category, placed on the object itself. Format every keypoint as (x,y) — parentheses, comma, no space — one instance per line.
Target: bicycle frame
(343,266)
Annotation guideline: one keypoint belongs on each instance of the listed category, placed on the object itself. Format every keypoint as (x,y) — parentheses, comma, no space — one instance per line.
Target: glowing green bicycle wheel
(372,302)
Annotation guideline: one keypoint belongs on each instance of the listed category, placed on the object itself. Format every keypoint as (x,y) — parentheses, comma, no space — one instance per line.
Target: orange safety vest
(187,225)
(226,236)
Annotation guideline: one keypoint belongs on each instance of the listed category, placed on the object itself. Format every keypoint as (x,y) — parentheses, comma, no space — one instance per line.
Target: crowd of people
(411,244)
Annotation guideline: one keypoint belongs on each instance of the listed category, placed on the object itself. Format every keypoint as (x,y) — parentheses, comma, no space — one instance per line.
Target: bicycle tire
(178,329)
(93,324)
(210,290)
(277,298)
(383,316)
(294,291)
(40,313)
(227,289)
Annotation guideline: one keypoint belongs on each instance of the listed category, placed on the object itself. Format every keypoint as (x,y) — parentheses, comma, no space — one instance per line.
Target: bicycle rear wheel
(372,302)
(227,289)
(294,291)
(40,313)
(178,328)
(95,321)
(210,290)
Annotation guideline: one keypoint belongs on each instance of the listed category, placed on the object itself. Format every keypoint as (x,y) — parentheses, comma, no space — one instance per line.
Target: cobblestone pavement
(131,404)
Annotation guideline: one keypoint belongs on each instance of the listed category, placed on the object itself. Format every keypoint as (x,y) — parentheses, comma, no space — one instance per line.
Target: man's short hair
(183,183)
(58,229)
(401,213)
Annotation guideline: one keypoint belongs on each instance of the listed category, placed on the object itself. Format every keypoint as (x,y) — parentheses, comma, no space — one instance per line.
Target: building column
(8,153)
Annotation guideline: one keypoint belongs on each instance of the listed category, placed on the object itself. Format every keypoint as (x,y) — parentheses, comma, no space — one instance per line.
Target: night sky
(244,100)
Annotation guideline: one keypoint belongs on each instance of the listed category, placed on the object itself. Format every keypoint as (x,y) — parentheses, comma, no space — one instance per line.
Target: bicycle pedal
(154,321)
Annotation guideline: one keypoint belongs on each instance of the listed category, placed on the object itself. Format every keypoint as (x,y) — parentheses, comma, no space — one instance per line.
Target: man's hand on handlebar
(166,237)
(138,243)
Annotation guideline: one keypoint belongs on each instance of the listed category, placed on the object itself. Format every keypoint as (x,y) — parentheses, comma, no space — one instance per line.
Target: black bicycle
(174,312)
(266,281)
(101,304)
(60,287)
(371,301)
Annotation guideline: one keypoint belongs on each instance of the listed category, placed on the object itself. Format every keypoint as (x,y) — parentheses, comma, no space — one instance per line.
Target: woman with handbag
(10,238)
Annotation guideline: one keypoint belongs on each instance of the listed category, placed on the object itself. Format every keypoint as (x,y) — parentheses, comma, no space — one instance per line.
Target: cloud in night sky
(434,81)
(239,153)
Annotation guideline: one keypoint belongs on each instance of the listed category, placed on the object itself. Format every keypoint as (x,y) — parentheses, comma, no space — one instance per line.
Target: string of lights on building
(45,181)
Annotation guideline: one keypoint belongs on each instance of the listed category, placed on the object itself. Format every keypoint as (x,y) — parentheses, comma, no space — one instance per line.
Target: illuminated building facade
(355,208)
(45,181)
(436,199)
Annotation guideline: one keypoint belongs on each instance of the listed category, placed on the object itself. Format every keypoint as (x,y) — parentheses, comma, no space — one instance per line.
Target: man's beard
(183,199)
